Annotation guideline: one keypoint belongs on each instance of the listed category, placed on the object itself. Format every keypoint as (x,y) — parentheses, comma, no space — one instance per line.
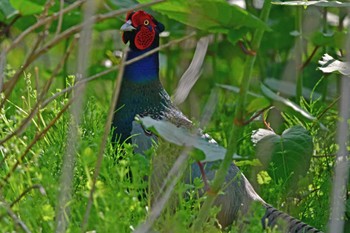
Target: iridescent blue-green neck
(144,70)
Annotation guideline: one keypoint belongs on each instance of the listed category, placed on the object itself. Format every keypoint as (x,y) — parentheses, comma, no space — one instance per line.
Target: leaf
(236,90)
(285,105)
(330,65)
(214,16)
(321,3)
(289,88)
(263,178)
(332,39)
(258,104)
(183,137)
(27,7)
(286,156)
(7,9)
(259,134)
(234,35)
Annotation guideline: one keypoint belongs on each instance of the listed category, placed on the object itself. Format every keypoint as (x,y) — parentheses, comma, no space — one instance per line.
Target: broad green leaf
(258,104)
(333,39)
(259,134)
(7,9)
(330,65)
(285,105)
(27,7)
(321,3)
(234,35)
(286,156)
(215,16)
(289,88)
(183,137)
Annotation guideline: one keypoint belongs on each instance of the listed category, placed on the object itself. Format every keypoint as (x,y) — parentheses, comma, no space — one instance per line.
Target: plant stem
(299,55)
(236,130)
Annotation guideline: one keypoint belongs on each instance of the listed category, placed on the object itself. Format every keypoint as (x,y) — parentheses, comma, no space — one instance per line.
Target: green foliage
(286,157)
(7,9)
(297,179)
(223,18)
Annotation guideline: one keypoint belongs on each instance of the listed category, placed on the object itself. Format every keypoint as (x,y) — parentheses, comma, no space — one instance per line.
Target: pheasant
(142,94)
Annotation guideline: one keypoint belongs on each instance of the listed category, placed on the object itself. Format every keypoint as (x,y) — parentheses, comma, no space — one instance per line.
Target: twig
(2,68)
(8,87)
(256,115)
(43,93)
(160,204)
(43,22)
(308,60)
(6,29)
(67,175)
(35,186)
(99,75)
(102,147)
(60,18)
(36,138)
(14,217)
(175,172)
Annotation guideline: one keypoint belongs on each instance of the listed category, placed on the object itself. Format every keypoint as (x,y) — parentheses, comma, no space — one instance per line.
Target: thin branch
(60,17)
(35,186)
(34,141)
(8,87)
(99,75)
(102,147)
(67,175)
(43,22)
(173,176)
(14,217)
(24,124)
(308,60)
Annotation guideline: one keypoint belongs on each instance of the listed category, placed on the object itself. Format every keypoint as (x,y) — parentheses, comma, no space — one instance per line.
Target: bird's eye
(146,22)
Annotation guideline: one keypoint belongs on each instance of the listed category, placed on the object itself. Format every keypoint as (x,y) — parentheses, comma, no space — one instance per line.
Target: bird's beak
(127,27)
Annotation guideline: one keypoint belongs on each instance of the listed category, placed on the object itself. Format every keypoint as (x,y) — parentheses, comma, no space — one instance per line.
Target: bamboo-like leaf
(7,9)
(321,3)
(285,105)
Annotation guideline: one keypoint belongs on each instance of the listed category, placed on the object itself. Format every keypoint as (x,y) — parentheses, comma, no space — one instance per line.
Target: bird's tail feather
(272,215)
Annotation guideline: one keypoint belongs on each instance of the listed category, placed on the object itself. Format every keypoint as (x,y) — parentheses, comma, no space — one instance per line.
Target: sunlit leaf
(286,156)
(7,9)
(263,178)
(27,7)
(330,65)
(259,134)
(285,105)
(258,104)
(289,88)
(208,15)
(183,137)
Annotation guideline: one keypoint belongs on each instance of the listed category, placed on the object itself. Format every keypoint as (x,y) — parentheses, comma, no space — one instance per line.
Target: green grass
(31,167)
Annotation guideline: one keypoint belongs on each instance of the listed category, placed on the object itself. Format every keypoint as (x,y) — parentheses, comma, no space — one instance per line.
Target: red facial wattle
(144,28)
(145,37)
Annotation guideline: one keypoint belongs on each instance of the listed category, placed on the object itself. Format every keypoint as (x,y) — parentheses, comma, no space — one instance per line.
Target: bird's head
(141,30)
